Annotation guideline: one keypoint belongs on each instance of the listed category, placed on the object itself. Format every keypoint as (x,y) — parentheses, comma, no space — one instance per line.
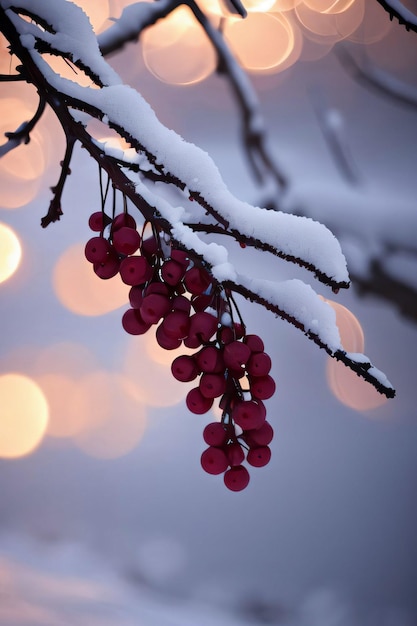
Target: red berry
(181,303)
(180,256)
(135,270)
(184,368)
(215,434)
(226,335)
(239,330)
(197,403)
(176,324)
(260,436)
(109,267)
(98,221)
(258,457)
(212,385)
(172,272)
(123,219)
(210,360)
(153,307)
(136,297)
(237,478)
(149,246)
(197,280)
(165,341)
(236,354)
(126,240)
(200,303)
(259,364)
(254,342)
(192,342)
(133,323)
(214,460)
(203,325)
(97,250)
(248,414)
(156,287)
(235,454)
(263,387)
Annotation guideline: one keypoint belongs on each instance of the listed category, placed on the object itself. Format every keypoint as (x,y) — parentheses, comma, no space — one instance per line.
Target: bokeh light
(10,252)
(329,6)
(258,6)
(274,31)
(153,380)
(374,25)
(98,12)
(115,417)
(330,26)
(23,415)
(65,418)
(177,51)
(80,290)
(345,384)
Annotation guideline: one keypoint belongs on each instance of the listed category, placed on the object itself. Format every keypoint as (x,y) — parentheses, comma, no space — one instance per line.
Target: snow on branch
(164,159)
(397,9)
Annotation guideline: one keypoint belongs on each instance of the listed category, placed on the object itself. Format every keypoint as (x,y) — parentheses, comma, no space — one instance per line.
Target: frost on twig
(159,154)
(397,9)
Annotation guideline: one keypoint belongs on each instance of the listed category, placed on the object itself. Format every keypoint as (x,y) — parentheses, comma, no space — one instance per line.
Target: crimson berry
(254,342)
(172,272)
(212,385)
(135,270)
(157,287)
(235,454)
(98,221)
(136,296)
(109,267)
(181,303)
(97,249)
(200,303)
(123,219)
(180,256)
(154,306)
(225,335)
(236,478)
(149,246)
(236,354)
(214,460)
(210,360)
(126,240)
(166,341)
(176,324)
(184,368)
(197,403)
(260,436)
(133,323)
(197,280)
(203,325)
(259,364)
(263,387)
(215,434)
(258,457)
(248,414)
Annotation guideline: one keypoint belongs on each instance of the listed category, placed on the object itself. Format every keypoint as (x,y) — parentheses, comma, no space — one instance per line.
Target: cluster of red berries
(169,290)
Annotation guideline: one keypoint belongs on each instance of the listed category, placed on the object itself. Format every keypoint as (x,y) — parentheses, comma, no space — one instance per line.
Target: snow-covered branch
(397,9)
(62,29)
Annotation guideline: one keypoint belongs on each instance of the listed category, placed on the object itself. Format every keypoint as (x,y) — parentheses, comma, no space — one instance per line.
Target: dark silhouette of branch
(396,9)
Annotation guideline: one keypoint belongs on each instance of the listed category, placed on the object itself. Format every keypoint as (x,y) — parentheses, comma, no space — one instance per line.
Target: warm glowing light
(65,420)
(80,290)
(10,252)
(351,333)
(275,33)
(374,25)
(345,384)
(98,12)
(351,390)
(177,51)
(154,381)
(331,26)
(329,6)
(117,415)
(258,6)
(23,415)
(72,360)
(286,5)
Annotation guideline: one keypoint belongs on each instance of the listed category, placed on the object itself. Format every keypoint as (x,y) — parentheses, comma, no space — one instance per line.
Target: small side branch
(55,210)
(22,134)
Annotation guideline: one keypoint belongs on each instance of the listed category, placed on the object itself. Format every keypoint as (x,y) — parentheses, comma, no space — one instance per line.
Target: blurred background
(106,516)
